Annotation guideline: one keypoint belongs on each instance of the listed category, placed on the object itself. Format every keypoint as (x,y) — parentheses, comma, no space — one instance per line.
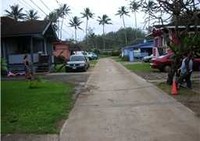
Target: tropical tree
(183,13)
(149,8)
(15,12)
(103,21)
(31,15)
(75,22)
(134,7)
(62,12)
(87,14)
(53,16)
(122,12)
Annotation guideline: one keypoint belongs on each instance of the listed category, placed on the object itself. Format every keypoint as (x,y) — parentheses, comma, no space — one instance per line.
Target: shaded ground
(191,100)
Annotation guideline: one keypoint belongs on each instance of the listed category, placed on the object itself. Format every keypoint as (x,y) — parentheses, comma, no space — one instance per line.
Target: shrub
(125,58)
(4,67)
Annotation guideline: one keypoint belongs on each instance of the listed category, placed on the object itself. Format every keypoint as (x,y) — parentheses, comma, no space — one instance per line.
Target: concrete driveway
(117,105)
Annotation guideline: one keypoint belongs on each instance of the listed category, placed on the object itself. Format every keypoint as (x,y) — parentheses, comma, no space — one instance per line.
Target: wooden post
(31,53)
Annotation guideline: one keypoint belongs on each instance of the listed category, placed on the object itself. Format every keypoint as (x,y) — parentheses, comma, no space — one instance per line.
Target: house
(138,51)
(61,49)
(165,34)
(32,37)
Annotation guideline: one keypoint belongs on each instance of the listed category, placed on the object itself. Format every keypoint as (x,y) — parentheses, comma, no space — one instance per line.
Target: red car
(163,63)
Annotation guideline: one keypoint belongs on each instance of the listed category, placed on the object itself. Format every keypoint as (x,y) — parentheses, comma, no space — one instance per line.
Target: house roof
(12,28)
(148,44)
(172,26)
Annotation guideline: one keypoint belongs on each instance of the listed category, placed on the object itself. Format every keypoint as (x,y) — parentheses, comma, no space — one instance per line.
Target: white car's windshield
(77,58)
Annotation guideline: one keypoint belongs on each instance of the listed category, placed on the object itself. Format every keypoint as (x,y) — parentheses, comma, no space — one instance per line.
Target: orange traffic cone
(174,88)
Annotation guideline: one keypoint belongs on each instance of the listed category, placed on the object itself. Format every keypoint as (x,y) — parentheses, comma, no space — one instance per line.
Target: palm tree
(87,14)
(62,12)
(75,22)
(15,13)
(31,15)
(149,8)
(54,16)
(103,21)
(134,6)
(122,12)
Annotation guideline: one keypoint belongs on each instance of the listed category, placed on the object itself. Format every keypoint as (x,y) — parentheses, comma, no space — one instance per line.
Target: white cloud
(99,7)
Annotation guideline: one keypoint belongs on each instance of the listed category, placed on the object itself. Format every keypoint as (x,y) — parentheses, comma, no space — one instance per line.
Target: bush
(4,67)
(115,53)
(125,58)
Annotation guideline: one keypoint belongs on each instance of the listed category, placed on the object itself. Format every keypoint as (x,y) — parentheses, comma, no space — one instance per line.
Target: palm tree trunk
(125,35)
(104,45)
(135,24)
(149,23)
(61,28)
(75,36)
(58,23)
(135,20)
(86,29)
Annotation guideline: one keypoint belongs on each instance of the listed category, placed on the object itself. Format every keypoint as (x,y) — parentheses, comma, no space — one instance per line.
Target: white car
(147,58)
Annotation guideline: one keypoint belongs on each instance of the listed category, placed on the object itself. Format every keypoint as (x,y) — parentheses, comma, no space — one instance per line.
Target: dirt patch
(190,100)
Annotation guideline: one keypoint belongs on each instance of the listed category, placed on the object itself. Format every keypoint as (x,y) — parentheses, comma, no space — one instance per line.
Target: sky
(98,7)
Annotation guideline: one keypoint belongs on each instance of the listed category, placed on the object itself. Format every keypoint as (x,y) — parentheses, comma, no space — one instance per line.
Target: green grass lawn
(139,67)
(34,110)
(135,66)
(93,63)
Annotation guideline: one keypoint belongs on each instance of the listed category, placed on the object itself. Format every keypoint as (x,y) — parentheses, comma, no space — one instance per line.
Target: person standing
(186,70)
(28,73)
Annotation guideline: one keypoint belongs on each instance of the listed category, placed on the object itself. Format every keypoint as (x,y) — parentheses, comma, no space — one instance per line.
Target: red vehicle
(163,63)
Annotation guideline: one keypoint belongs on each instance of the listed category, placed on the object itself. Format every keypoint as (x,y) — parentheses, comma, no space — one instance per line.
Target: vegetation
(75,22)
(123,12)
(4,67)
(87,14)
(31,15)
(134,7)
(186,96)
(38,110)
(139,67)
(15,13)
(103,21)
(184,41)
(113,40)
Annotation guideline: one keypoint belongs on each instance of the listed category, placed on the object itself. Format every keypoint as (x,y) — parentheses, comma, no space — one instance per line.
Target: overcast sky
(98,7)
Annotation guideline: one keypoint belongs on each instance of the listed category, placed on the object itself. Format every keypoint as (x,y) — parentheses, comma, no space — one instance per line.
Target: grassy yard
(183,91)
(34,110)
(186,96)
(93,63)
(135,66)
(139,67)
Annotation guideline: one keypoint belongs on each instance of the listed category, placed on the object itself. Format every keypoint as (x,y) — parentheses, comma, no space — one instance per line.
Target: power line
(24,3)
(45,5)
(38,7)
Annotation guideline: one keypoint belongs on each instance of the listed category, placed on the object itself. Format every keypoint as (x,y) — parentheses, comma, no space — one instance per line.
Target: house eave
(22,35)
